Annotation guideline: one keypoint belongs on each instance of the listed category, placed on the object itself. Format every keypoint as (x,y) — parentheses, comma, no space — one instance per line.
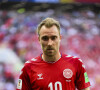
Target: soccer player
(52,70)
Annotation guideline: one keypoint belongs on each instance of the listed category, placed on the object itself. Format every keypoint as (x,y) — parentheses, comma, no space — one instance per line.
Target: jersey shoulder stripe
(73,58)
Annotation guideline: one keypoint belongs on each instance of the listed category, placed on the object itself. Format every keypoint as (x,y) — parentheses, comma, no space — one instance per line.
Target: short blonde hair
(48,22)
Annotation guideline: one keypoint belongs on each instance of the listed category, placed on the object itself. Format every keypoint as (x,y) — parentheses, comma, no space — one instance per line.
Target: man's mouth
(50,49)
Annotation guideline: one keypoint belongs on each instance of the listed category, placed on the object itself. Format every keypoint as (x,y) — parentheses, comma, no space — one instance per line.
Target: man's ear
(39,38)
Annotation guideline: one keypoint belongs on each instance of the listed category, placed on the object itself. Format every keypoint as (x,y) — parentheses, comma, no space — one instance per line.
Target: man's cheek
(43,47)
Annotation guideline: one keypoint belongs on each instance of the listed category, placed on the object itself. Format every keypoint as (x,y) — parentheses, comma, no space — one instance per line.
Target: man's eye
(53,37)
(45,38)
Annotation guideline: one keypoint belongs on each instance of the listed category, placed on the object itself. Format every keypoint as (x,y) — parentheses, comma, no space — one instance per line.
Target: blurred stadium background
(80,28)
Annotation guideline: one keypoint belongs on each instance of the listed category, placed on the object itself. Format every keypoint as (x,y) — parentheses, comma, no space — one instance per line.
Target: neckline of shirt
(50,62)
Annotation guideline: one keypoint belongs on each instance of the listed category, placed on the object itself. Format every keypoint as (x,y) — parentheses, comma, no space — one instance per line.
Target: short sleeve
(82,80)
(23,81)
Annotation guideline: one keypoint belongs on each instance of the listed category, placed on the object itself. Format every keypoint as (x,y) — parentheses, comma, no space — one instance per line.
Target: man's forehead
(50,30)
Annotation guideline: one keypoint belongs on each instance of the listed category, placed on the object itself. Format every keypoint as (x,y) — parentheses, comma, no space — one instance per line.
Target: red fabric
(67,73)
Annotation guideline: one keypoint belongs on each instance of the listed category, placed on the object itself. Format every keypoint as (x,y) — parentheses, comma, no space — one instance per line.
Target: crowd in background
(80,37)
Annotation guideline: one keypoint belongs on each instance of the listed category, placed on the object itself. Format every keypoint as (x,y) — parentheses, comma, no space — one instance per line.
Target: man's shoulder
(32,61)
(71,58)
(29,64)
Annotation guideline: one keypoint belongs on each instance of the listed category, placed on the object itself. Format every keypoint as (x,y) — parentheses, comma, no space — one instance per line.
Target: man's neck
(51,59)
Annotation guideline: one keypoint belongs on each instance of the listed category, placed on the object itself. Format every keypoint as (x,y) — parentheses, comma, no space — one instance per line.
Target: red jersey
(67,73)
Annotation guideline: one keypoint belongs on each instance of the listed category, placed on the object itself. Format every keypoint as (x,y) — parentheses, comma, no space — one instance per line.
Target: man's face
(50,40)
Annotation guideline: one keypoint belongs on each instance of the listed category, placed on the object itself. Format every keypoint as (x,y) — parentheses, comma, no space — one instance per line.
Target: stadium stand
(80,28)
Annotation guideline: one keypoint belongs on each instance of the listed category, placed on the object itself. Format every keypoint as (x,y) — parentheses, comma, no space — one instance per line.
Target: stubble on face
(49,40)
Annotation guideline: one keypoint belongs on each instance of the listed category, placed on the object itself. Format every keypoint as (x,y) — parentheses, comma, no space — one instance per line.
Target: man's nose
(50,42)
